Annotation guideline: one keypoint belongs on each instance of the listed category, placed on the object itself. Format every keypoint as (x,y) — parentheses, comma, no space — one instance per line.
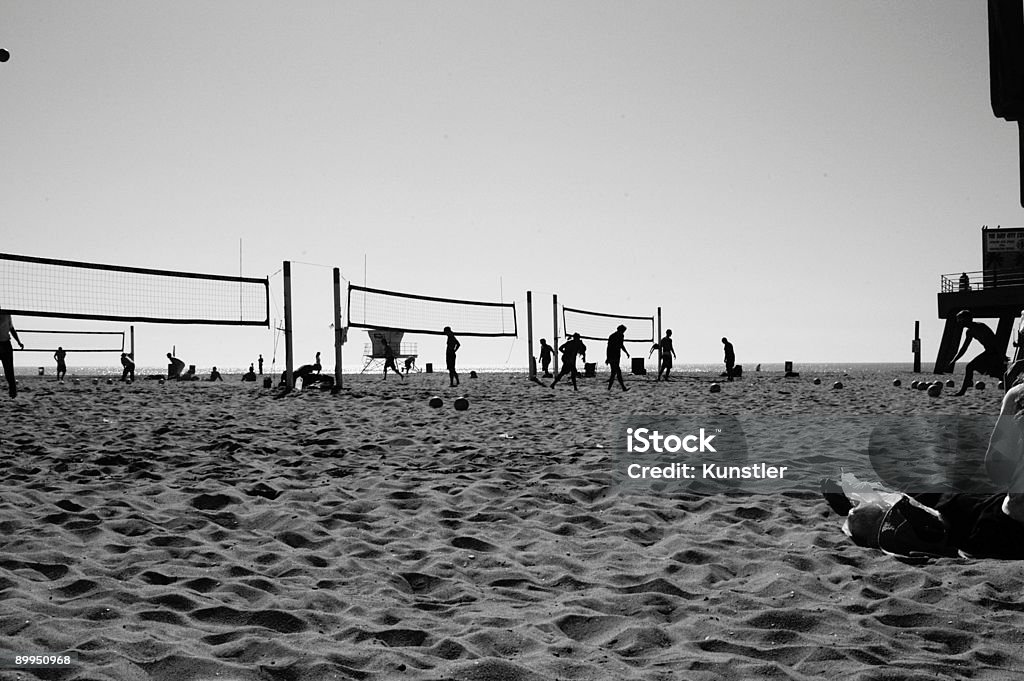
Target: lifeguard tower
(373,351)
(996,292)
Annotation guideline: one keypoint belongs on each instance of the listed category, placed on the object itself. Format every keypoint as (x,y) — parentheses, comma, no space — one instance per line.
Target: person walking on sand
(7,332)
(62,368)
(451,348)
(570,349)
(991,361)
(616,346)
(128,368)
(389,360)
(547,353)
(730,358)
(667,355)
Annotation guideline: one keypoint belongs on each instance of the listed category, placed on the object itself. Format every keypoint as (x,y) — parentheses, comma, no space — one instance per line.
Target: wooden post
(554,305)
(917,347)
(288,358)
(338,331)
(531,364)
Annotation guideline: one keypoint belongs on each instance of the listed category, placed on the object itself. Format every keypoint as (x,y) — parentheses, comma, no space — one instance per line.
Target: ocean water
(811,369)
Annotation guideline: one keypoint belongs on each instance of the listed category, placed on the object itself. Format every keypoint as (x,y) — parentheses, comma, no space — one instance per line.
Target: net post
(337,328)
(531,365)
(554,314)
(917,347)
(658,340)
(131,346)
(289,381)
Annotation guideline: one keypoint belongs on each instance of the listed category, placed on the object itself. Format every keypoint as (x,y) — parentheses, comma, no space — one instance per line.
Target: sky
(795,174)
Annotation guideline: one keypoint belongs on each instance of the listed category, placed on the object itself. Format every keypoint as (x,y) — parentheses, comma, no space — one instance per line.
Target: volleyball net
(38,340)
(44,287)
(600,325)
(370,308)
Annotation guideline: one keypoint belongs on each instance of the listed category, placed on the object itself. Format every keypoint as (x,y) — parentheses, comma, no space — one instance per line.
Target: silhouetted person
(7,332)
(389,360)
(570,349)
(261,365)
(215,375)
(127,368)
(451,348)
(547,353)
(730,358)
(250,375)
(668,353)
(62,368)
(991,361)
(306,373)
(175,366)
(410,363)
(613,356)
(965,282)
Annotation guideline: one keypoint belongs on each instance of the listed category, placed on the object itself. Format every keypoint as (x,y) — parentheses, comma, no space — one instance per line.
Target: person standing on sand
(451,348)
(62,368)
(616,346)
(128,371)
(389,360)
(547,353)
(991,361)
(7,332)
(667,354)
(730,358)
(261,365)
(570,349)
(175,366)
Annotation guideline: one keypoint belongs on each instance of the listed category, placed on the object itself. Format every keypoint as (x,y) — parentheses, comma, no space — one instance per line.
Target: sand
(215,531)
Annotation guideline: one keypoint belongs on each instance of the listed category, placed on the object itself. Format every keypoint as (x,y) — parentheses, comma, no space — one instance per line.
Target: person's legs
(969,370)
(7,358)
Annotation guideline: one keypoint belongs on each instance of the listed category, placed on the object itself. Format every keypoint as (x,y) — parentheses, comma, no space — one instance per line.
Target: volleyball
(837,385)
(935,389)
(817,381)
(897,382)
(4,54)
(980,385)
(461,404)
(716,388)
(436,402)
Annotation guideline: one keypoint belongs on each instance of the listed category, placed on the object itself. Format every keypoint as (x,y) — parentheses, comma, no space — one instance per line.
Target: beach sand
(215,531)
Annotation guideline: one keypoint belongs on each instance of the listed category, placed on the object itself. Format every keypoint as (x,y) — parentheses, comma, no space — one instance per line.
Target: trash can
(430,368)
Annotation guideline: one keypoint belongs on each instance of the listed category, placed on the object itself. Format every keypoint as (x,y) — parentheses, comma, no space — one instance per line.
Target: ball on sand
(935,389)
(161,381)
(923,385)
(110,381)
(951,383)
(817,381)
(436,402)
(76,381)
(914,385)
(461,404)
(980,385)
(897,382)
(4,54)
(715,388)
(838,385)
(95,381)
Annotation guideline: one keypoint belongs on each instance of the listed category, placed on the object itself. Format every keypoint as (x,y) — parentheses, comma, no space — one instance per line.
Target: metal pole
(917,347)
(531,364)
(288,379)
(554,304)
(131,348)
(337,328)
(658,341)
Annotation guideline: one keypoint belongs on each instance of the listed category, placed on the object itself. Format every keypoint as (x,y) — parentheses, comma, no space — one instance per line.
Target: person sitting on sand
(128,367)
(991,361)
(570,349)
(389,360)
(215,375)
(62,368)
(174,366)
(970,524)
(249,376)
